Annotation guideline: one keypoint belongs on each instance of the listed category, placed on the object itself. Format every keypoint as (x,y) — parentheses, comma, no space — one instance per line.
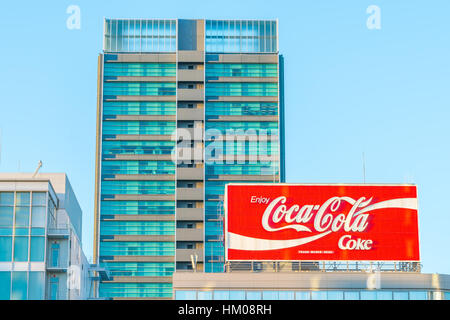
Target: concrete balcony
(190,214)
(184,255)
(191,94)
(190,56)
(185,234)
(187,134)
(58,232)
(189,193)
(190,114)
(191,75)
(188,154)
(190,173)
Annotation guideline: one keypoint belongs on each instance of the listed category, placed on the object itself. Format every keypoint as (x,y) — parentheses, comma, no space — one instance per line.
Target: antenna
(364,167)
(37,169)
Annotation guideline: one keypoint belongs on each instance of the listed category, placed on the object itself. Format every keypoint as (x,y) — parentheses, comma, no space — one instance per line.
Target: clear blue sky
(349,90)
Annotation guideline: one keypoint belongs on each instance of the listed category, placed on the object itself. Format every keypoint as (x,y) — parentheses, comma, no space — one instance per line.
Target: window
(22,216)
(335,295)
(5,284)
(19,285)
(36,286)
(39,199)
(38,217)
(384,295)
(185,295)
(6,217)
(418,295)
(286,295)
(54,288)
(319,295)
(351,295)
(368,295)
(5,248)
(20,248)
(37,248)
(270,295)
(190,205)
(55,255)
(401,295)
(221,295)
(237,295)
(204,295)
(253,295)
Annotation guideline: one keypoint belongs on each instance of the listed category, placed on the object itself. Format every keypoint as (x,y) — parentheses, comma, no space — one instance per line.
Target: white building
(40,239)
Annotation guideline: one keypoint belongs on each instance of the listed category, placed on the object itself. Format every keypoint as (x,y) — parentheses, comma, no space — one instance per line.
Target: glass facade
(22,226)
(265,85)
(134,35)
(310,295)
(128,150)
(238,36)
(23,220)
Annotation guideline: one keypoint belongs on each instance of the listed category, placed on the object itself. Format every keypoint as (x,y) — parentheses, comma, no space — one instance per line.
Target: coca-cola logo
(323,216)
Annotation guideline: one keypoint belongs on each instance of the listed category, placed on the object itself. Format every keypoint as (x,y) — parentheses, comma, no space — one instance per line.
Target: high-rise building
(184,107)
(40,239)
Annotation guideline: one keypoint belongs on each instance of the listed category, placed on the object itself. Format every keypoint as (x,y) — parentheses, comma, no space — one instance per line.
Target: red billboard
(299,222)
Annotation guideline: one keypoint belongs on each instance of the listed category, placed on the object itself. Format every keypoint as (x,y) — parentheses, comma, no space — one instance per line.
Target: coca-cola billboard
(331,222)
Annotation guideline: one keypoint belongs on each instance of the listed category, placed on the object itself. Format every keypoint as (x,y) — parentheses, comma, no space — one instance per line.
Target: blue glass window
(156,290)
(139,69)
(185,295)
(137,227)
(142,269)
(37,249)
(20,248)
(130,248)
(139,108)
(254,295)
(221,295)
(5,248)
(36,286)
(204,295)
(139,89)
(5,285)
(138,127)
(237,295)
(137,147)
(286,295)
(418,295)
(215,109)
(250,89)
(401,295)
(19,285)
(137,207)
(318,295)
(137,187)
(241,70)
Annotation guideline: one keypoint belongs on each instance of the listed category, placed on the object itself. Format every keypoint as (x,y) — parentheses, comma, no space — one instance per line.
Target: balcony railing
(322,266)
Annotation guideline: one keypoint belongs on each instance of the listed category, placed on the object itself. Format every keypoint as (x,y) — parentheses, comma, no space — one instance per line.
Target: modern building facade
(312,285)
(40,239)
(184,107)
